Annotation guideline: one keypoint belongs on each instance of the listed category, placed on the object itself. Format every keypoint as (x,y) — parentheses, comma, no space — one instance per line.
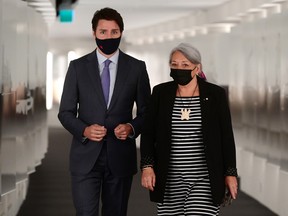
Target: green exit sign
(66,15)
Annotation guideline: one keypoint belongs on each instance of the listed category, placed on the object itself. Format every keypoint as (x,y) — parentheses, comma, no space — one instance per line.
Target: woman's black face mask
(181,76)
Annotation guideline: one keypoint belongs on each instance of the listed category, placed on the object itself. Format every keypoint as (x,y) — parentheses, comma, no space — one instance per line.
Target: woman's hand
(232,185)
(148,178)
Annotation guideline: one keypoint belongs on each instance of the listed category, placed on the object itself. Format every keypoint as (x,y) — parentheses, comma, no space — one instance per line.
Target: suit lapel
(121,77)
(205,103)
(168,96)
(94,74)
(204,97)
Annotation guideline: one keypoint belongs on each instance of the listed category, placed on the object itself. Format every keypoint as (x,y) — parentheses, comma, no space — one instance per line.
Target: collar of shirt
(102,58)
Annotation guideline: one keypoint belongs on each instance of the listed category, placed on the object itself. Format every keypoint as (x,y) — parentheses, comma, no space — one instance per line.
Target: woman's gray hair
(190,52)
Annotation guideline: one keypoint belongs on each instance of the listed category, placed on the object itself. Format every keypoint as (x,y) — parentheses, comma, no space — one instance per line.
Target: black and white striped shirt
(187,150)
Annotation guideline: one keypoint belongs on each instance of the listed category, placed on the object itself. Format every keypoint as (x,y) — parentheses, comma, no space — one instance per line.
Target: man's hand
(95,132)
(122,131)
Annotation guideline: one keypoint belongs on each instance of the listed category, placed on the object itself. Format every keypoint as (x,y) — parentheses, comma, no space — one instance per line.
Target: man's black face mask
(108,46)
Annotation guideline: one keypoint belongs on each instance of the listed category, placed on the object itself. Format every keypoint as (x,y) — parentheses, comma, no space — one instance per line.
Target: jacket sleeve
(228,142)
(148,136)
(69,105)
(142,98)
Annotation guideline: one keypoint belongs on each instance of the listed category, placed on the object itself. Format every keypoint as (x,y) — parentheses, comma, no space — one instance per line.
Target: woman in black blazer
(188,154)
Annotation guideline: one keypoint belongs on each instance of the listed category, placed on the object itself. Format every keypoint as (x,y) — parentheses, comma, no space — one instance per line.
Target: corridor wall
(251,60)
(23,128)
(259,103)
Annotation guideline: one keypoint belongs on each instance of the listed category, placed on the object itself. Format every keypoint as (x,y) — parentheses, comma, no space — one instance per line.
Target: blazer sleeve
(228,142)
(69,105)
(148,136)
(143,95)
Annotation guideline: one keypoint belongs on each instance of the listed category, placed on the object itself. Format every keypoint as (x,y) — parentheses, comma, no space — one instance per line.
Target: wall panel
(284,92)
(8,115)
(23,122)
(252,61)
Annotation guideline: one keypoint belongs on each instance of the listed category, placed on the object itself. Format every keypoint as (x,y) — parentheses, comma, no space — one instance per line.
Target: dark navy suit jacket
(83,104)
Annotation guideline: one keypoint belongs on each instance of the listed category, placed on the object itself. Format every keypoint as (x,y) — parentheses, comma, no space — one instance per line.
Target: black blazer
(218,136)
(83,104)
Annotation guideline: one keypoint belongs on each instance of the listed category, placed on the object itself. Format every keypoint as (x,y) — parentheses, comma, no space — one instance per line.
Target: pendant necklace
(185,112)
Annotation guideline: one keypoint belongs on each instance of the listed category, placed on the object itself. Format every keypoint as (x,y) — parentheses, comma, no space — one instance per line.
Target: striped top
(187,190)
(187,149)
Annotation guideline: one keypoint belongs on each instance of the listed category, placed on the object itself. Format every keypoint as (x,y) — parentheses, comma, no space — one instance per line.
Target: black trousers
(99,182)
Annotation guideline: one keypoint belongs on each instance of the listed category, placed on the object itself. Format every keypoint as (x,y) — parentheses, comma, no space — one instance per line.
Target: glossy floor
(49,190)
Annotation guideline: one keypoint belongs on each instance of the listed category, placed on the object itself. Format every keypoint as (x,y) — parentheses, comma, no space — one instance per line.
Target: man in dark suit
(99,116)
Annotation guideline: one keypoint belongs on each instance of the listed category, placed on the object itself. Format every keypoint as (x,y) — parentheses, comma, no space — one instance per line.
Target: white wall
(23,128)
(250,58)
(252,61)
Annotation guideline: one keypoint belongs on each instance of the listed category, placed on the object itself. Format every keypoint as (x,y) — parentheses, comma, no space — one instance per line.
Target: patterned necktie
(105,80)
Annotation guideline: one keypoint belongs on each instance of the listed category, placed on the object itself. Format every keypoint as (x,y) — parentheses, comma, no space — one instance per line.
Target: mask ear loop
(192,71)
(201,75)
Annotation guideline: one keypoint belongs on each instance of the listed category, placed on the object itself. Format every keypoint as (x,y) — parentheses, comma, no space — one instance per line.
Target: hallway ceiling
(136,14)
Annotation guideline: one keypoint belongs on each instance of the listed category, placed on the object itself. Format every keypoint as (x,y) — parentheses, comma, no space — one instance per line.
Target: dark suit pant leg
(115,195)
(86,190)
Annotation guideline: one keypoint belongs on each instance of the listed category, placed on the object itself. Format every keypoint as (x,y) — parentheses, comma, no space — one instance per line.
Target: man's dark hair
(107,14)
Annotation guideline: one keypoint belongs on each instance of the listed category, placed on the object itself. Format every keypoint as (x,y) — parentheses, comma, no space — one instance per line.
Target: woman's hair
(107,14)
(190,52)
